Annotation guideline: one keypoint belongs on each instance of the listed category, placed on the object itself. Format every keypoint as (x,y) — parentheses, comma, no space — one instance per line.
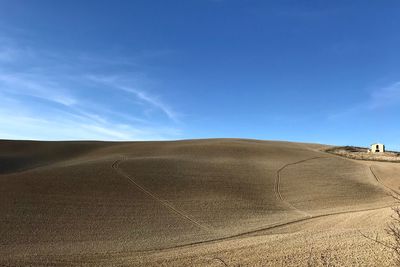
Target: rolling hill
(190,202)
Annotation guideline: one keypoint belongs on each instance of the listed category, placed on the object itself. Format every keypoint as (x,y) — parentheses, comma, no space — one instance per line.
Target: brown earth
(190,203)
(362,153)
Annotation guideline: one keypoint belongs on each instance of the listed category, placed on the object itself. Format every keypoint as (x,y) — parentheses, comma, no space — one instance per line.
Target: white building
(377,148)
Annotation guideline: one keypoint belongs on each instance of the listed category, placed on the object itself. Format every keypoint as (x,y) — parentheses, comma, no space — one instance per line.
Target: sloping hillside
(89,202)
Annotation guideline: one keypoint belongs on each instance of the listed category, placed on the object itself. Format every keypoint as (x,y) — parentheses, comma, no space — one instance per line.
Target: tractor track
(262,229)
(278,194)
(391,190)
(277,185)
(163,202)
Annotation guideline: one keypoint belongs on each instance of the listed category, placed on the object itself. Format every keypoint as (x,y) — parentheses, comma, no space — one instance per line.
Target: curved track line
(247,233)
(277,185)
(381,183)
(266,228)
(163,202)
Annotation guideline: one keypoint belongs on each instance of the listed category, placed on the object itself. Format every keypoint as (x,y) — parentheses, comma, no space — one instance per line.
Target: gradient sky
(311,71)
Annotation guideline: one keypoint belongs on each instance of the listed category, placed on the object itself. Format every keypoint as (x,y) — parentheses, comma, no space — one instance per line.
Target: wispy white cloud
(116,83)
(385,97)
(20,122)
(155,101)
(36,86)
(43,95)
(377,99)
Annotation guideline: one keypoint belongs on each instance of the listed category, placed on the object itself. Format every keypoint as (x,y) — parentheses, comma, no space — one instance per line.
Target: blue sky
(311,71)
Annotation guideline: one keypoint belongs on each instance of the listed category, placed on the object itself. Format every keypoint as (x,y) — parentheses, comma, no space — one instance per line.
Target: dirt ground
(191,203)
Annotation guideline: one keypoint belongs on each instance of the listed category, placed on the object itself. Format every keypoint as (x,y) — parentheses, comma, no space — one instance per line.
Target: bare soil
(361,153)
(191,203)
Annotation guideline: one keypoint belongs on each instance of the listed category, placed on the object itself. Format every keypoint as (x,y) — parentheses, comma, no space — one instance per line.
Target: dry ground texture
(361,153)
(190,203)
